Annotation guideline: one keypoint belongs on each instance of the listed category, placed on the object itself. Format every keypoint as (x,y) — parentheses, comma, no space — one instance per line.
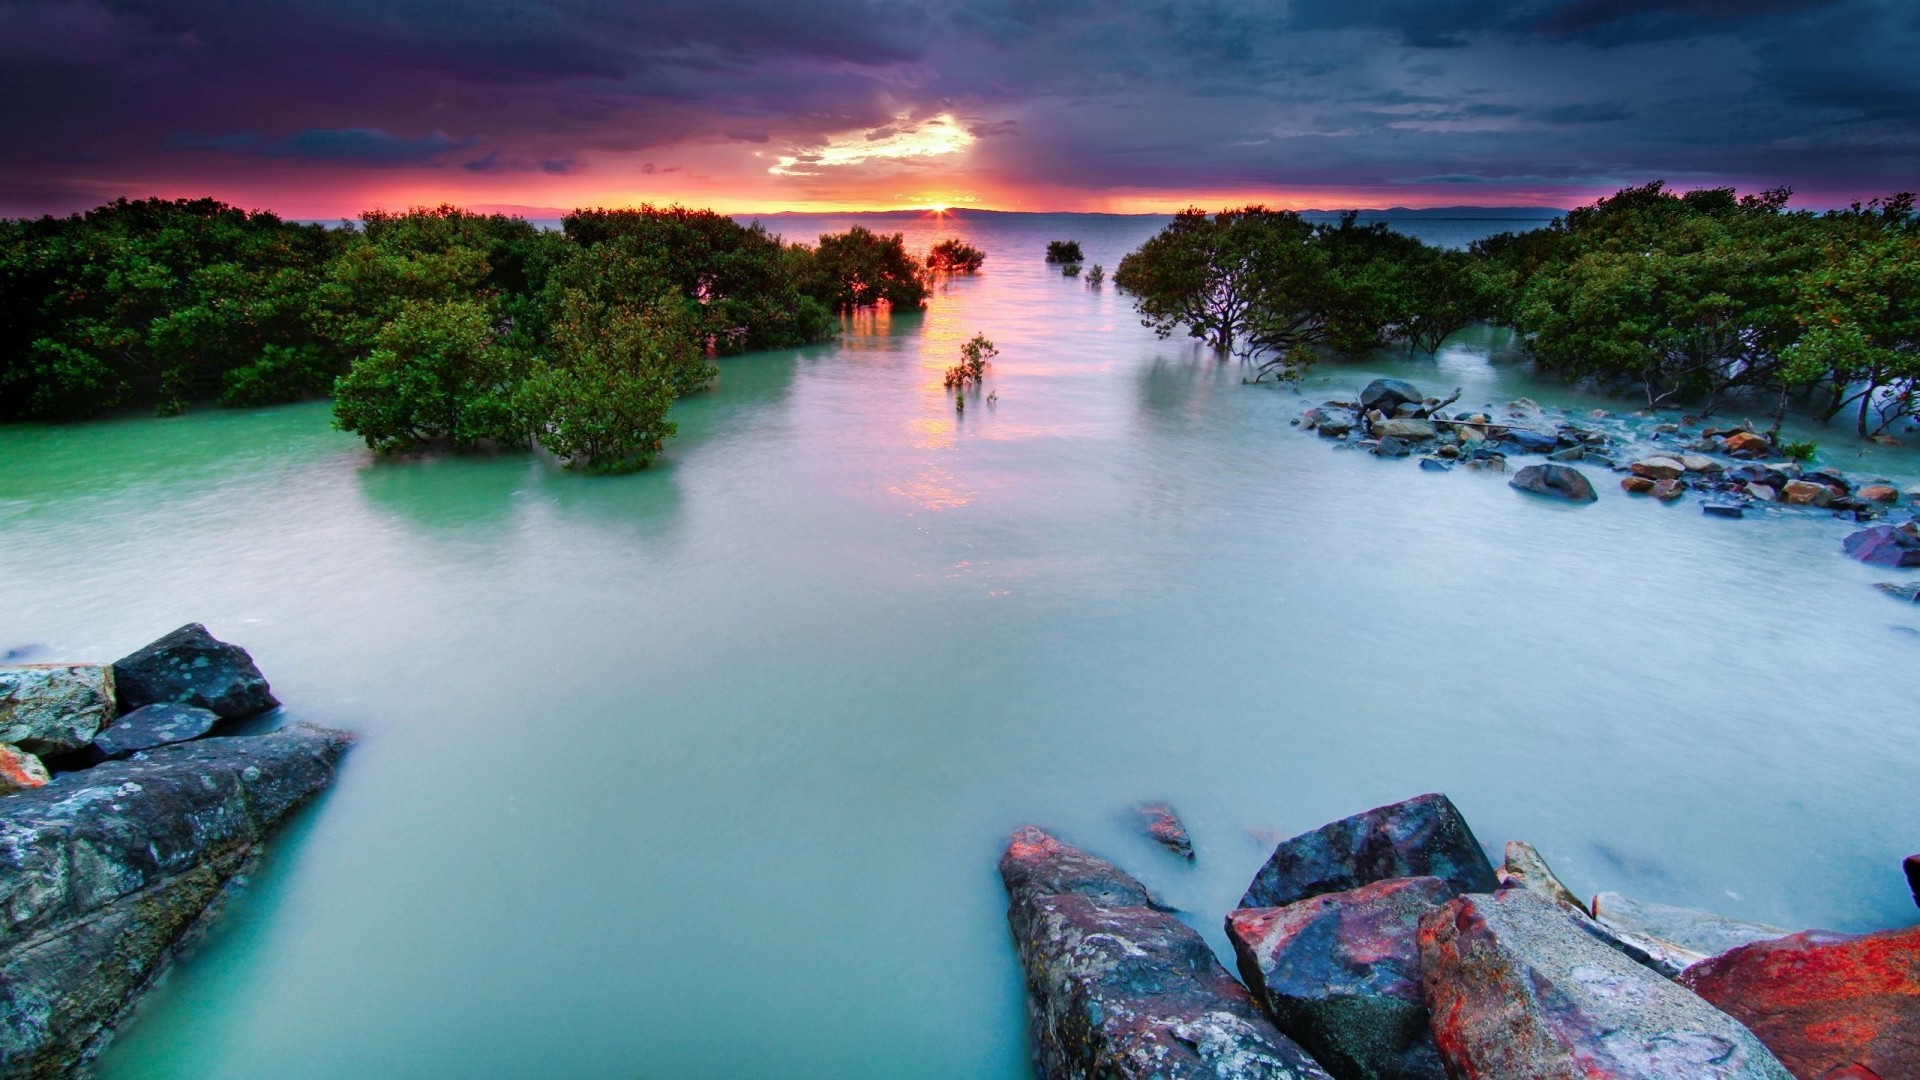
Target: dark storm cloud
(1090,94)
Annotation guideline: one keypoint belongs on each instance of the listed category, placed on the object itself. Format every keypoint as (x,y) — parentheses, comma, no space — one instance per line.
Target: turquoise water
(703,772)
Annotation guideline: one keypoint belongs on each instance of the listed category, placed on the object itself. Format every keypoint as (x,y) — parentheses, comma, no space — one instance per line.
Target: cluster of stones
(1387,945)
(1392,419)
(121,827)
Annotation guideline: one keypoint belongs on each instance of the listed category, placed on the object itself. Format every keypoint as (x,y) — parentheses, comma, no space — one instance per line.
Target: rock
(1340,974)
(1413,430)
(1571,453)
(1335,427)
(1911,867)
(1447,450)
(1312,417)
(1636,485)
(1392,448)
(1746,442)
(54,708)
(1472,435)
(1694,463)
(20,770)
(1702,932)
(1165,828)
(1658,468)
(1424,836)
(1532,442)
(1880,493)
(155,725)
(1763,492)
(1884,545)
(1823,1002)
(1119,989)
(1526,868)
(1406,410)
(1559,481)
(1907,591)
(1759,474)
(1389,394)
(1806,493)
(1517,989)
(1722,510)
(191,667)
(1666,429)
(1668,490)
(1598,414)
(104,873)
(1428,464)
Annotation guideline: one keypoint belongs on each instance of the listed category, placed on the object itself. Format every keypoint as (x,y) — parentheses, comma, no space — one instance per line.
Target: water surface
(703,772)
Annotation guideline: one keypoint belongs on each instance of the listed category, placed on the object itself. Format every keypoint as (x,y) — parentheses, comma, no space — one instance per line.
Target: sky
(322,109)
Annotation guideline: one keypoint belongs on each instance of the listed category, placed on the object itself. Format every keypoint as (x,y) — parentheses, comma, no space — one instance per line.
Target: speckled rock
(104,873)
(1422,836)
(54,708)
(192,667)
(1527,868)
(1340,973)
(1120,990)
(1164,826)
(155,725)
(1825,1002)
(20,770)
(1702,932)
(1518,989)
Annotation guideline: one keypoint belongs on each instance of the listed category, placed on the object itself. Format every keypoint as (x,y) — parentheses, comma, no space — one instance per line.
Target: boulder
(1517,989)
(1702,932)
(1412,430)
(1746,442)
(1424,836)
(1388,394)
(1880,493)
(1636,485)
(1391,447)
(1806,493)
(20,770)
(1340,974)
(155,725)
(1559,481)
(1824,1002)
(1694,463)
(1335,427)
(1120,989)
(1884,545)
(54,708)
(1658,468)
(1668,490)
(1165,828)
(192,667)
(1531,442)
(1526,868)
(104,873)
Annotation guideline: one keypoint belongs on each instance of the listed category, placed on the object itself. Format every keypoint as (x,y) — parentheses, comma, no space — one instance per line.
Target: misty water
(703,772)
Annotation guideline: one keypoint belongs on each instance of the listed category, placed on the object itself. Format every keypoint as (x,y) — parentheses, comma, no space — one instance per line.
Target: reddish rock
(1747,441)
(1658,468)
(1806,493)
(1884,545)
(1340,973)
(1165,827)
(1518,990)
(1422,836)
(1880,493)
(1637,485)
(1823,1002)
(20,770)
(1668,490)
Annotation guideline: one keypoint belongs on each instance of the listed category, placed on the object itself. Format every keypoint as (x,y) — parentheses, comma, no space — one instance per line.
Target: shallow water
(703,772)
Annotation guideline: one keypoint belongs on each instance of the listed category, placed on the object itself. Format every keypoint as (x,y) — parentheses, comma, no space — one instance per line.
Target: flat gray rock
(1700,932)
(155,725)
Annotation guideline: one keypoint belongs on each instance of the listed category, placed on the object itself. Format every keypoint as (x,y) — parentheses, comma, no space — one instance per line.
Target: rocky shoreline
(1388,946)
(125,819)
(1735,472)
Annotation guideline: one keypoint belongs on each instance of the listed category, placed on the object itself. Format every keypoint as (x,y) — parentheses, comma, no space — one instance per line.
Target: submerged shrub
(1064,251)
(954,256)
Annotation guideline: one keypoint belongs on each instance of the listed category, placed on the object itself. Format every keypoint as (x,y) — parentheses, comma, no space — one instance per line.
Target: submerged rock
(54,708)
(1722,510)
(192,667)
(1119,989)
(20,770)
(1702,932)
(155,725)
(1388,394)
(1517,989)
(1532,442)
(1165,828)
(104,872)
(1558,481)
(1340,973)
(1658,468)
(1392,447)
(1424,836)
(1824,1002)
(1806,493)
(1884,545)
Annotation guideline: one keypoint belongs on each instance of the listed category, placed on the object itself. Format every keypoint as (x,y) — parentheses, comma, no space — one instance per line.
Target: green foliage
(954,256)
(439,372)
(1064,251)
(1096,275)
(860,268)
(1799,451)
(972,367)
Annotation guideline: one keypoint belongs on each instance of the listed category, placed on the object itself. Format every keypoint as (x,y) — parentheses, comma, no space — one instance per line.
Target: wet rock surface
(1825,1003)
(104,873)
(1120,989)
(1340,973)
(154,725)
(1424,836)
(1884,545)
(192,667)
(1159,821)
(1701,932)
(1558,481)
(1517,989)
(54,708)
